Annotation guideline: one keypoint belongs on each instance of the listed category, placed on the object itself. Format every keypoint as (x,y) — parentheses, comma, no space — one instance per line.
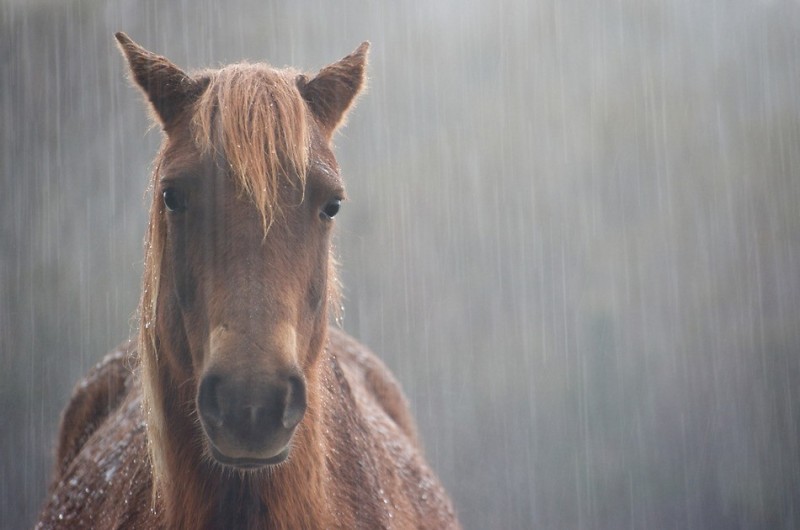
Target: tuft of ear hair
(166,86)
(331,93)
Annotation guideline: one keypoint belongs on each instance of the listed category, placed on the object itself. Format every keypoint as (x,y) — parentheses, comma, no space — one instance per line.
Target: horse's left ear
(331,93)
(167,87)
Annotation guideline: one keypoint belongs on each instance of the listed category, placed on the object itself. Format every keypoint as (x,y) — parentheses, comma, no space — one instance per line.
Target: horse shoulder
(93,399)
(373,375)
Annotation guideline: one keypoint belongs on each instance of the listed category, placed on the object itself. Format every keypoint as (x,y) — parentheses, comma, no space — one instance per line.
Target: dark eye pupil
(332,208)
(172,200)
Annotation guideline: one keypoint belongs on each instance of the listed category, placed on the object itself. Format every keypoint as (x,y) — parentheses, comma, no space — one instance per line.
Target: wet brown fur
(131,453)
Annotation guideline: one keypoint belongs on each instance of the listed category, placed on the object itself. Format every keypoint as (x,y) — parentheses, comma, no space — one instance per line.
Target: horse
(238,404)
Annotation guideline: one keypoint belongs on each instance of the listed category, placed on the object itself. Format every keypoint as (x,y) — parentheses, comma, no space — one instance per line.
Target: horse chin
(248,463)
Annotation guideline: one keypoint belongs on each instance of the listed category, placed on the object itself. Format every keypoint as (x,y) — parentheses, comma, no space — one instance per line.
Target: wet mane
(253,117)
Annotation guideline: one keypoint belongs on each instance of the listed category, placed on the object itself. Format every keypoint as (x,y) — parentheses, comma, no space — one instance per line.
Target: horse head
(238,272)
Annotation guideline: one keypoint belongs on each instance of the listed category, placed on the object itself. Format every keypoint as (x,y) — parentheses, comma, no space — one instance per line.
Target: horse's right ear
(167,87)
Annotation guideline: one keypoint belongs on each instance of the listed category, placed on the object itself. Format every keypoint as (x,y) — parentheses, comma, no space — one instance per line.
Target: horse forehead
(324,166)
(180,156)
(322,161)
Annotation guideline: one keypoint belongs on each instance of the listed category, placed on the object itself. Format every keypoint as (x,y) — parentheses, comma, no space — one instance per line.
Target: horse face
(252,304)
(240,312)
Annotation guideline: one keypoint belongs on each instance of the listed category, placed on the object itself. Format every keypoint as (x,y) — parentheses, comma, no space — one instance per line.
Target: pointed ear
(331,93)
(167,87)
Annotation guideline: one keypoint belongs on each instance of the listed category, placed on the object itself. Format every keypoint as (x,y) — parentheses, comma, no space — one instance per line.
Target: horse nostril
(208,400)
(295,402)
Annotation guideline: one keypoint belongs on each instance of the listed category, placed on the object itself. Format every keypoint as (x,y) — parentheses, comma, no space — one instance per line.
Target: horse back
(376,460)
(96,396)
(101,477)
(366,371)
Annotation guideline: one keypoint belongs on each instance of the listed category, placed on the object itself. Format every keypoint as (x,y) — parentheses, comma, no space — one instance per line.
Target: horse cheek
(184,279)
(315,295)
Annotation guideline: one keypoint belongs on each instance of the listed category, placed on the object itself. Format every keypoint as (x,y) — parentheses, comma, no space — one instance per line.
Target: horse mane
(252,119)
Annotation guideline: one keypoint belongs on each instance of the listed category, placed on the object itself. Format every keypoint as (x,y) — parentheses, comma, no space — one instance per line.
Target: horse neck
(195,492)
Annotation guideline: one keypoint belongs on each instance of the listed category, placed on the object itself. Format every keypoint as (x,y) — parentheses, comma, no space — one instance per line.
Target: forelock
(253,119)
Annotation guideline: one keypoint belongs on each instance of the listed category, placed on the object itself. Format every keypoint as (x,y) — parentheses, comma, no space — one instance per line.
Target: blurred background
(573,234)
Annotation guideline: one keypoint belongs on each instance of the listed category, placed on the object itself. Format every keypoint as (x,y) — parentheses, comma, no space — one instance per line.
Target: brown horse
(244,409)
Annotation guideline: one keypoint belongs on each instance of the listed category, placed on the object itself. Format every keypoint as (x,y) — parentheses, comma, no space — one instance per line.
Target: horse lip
(249,462)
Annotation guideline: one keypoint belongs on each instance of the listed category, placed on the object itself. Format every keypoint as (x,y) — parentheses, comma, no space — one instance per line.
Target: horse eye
(331,208)
(173,200)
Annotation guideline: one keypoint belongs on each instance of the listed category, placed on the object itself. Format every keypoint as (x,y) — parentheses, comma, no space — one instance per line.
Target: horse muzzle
(249,421)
